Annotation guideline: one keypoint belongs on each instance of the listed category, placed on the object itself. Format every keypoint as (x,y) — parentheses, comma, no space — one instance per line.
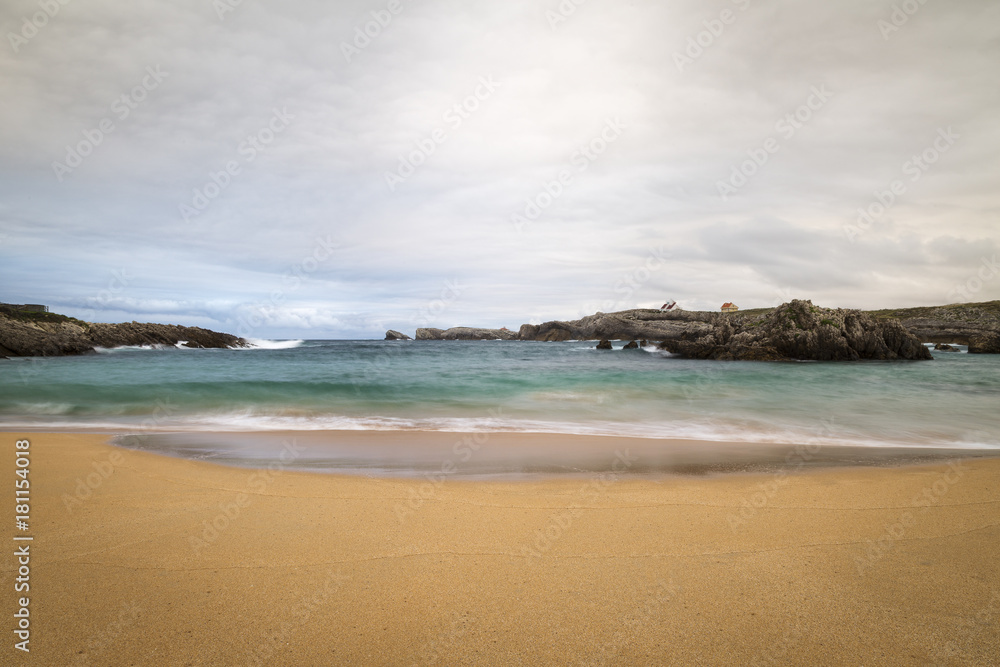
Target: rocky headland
(800,330)
(465,333)
(974,324)
(795,330)
(24,334)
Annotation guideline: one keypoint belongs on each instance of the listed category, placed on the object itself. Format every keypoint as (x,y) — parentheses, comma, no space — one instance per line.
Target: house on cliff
(728,307)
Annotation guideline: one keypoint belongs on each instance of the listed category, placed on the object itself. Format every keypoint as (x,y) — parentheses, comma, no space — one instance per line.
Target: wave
(265,344)
(248,421)
(144,348)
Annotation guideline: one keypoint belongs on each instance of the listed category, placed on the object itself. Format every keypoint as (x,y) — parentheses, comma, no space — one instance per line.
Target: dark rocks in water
(800,330)
(465,333)
(137,333)
(643,343)
(392,334)
(50,335)
(604,345)
(631,345)
(945,347)
(985,343)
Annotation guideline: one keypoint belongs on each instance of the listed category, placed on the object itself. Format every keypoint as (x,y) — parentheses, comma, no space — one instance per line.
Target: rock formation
(465,333)
(974,324)
(391,334)
(800,330)
(50,334)
(605,344)
(624,325)
(631,345)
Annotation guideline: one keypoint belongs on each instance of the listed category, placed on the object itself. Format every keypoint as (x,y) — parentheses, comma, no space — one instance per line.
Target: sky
(307,169)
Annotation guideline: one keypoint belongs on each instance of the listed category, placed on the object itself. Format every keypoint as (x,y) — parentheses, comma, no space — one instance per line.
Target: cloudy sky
(297,168)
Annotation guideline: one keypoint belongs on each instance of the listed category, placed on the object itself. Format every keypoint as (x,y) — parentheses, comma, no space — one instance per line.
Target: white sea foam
(126,348)
(265,344)
(252,420)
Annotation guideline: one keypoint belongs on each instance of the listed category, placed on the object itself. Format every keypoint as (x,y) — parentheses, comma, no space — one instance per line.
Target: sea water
(490,386)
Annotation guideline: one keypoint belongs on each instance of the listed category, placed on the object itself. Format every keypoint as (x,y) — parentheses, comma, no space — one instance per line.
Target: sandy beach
(139,558)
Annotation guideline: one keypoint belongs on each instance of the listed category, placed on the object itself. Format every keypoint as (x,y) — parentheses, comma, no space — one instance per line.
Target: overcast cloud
(588,166)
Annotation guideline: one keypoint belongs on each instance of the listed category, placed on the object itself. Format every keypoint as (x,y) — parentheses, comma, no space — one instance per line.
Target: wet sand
(140,558)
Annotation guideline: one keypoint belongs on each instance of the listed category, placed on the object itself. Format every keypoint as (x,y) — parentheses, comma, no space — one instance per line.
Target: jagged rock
(623,325)
(138,333)
(604,345)
(392,334)
(643,343)
(985,343)
(631,345)
(51,334)
(945,347)
(465,333)
(955,323)
(800,330)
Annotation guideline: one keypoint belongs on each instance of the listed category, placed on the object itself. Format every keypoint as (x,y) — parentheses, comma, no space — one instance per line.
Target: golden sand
(874,566)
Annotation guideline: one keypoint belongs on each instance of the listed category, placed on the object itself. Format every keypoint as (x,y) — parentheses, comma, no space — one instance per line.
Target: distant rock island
(44,334)
(794,330)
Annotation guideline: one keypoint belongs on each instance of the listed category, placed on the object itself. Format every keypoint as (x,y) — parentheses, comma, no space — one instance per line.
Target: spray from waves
(141,348)
(265,344)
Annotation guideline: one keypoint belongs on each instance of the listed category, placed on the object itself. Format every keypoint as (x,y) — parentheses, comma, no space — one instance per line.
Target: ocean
(469,386)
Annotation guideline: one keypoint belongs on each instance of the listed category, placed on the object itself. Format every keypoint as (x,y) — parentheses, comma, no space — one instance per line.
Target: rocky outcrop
(631,345)
(985,343)
(974,324)
(465,333)
(623,325)
(49,334)
(604,345)
(395,335)
(800,330)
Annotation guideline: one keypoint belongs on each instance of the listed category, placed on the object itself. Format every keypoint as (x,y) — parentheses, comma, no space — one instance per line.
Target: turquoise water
(567,387)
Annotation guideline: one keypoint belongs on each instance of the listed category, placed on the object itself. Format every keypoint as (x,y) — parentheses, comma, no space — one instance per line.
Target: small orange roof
(727,305)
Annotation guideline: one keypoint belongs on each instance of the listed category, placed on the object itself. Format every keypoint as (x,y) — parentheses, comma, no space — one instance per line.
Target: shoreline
(140,557)
(520,455)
